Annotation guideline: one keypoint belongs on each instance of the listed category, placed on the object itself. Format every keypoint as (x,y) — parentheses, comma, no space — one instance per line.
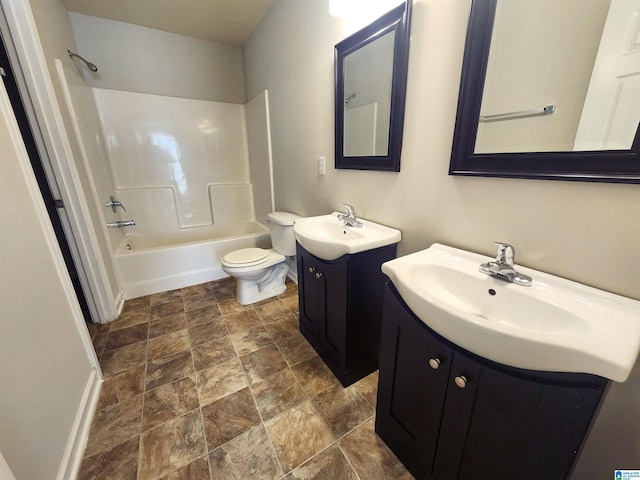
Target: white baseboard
(77,441)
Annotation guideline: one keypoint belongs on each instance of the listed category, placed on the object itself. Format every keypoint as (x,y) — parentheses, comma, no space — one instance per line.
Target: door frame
(19,28)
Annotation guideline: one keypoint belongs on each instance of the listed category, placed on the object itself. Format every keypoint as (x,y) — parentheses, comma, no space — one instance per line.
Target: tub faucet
(503,268)
(350,217)
(120,224)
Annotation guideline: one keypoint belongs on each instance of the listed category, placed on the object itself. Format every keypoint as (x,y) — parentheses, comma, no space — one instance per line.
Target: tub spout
(120,224)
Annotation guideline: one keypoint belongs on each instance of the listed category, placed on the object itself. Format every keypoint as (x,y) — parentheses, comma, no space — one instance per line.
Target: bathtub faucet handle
(114,204)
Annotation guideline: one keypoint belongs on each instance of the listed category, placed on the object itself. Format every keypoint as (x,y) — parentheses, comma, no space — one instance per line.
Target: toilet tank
(281,226)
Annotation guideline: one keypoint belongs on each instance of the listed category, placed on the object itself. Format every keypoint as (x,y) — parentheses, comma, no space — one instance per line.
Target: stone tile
(127,336)
(220,381)
(164,310)
(136,304)
(99,341)
(213,353)
(249,456)
(168,402)
(368,388)
(168,369)
(297,435)
(196,470)
(263,363)
(131,318)
(225,289)
(251,340)
(168,344)
(195,290)
(166,297)
(114,425)
(284,327)
(171,446)
(270,311)
(328,464)
(202,315)
(229,417)
(231,306)
(369,455)
(118,463)
(206,332)
(121,359)
(315,376)
(242,321)
(342,409)
(122,386)
(277,393)
(296,349)
(167,325)
(193,302)
(291,304)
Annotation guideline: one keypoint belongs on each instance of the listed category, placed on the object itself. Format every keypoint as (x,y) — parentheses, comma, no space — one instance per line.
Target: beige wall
(56,36)
(44,368)
(144,60)
(583,231)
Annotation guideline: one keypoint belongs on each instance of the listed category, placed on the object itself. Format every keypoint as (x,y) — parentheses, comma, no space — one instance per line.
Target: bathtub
(147,265)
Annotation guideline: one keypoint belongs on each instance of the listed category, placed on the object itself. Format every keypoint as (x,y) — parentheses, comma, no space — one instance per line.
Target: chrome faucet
(503,268)
(120,224)
(350,217)
(114,204)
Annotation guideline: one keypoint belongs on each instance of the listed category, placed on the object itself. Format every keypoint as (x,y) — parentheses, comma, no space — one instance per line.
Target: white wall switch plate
(322,166)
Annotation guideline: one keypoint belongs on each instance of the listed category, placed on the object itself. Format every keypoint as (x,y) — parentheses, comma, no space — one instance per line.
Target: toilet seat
(245,257)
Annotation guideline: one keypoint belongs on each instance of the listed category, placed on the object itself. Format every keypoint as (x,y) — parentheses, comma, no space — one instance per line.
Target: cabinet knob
(318,275)
(461,381)
(311,269)
(434,363)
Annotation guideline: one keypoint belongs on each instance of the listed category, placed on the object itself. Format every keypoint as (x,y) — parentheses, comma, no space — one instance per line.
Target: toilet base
(270,285)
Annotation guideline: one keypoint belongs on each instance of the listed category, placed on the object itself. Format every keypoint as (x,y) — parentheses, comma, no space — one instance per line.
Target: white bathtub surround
(157,264)
(181,168)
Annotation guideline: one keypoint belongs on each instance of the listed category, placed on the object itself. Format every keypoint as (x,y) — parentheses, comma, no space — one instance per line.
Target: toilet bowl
(261,273)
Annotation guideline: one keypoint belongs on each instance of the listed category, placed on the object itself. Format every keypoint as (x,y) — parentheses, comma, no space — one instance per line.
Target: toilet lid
(246,257)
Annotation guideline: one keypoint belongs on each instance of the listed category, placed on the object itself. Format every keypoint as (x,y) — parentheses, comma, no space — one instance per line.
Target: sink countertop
(328,238)
(555,325)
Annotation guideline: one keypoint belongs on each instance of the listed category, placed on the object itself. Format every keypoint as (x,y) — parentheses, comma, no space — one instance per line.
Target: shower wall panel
(167,153)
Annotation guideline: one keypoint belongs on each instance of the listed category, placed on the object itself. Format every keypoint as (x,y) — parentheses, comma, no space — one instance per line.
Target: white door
(612,106)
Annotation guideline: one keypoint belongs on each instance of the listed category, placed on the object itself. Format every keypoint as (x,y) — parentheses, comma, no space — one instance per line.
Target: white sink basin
(554,325)
(328,238)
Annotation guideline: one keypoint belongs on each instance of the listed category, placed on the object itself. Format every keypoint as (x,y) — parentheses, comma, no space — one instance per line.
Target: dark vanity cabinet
(449,414)
(341,309)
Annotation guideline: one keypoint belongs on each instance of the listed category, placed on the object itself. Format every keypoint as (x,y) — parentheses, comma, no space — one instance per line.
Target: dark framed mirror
(370,90)
(586,128)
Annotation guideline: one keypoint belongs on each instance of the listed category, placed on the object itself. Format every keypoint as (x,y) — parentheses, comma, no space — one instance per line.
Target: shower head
(90,66)
(350,97)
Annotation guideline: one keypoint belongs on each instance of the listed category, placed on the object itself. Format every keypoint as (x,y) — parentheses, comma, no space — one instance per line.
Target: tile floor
(199,387)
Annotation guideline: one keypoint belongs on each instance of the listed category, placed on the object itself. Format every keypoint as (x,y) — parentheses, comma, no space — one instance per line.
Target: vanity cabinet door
(333,293)
(414,372)
(309,293)
(518,427)
(324,292)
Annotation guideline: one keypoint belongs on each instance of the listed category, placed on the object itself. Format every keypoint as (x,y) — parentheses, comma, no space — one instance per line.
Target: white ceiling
(224,21)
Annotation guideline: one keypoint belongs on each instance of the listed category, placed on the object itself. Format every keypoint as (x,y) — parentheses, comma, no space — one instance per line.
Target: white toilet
(261,273)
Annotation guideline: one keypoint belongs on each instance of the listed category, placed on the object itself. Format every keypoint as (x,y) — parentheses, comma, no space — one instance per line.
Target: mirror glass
(367,104)
(550,89)
(371,69)
(560,77)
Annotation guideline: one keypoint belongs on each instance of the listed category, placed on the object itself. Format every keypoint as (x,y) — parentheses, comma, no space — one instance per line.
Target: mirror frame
(616,166)
(398,19)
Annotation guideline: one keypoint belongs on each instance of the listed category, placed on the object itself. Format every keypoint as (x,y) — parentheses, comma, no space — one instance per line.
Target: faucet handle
(350,211)
(506,253)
